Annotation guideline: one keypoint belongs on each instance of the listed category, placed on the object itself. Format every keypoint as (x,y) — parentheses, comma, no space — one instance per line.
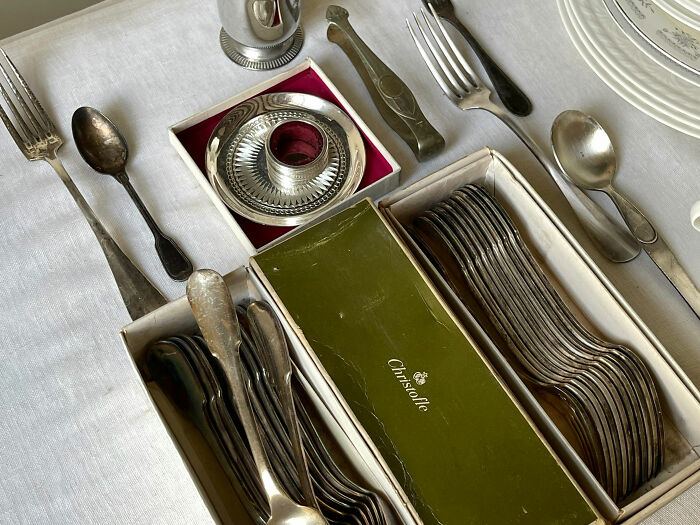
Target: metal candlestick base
(262,58)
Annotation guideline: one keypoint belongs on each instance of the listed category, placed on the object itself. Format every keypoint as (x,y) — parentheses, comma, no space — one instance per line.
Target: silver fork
(36,136)
(465,89)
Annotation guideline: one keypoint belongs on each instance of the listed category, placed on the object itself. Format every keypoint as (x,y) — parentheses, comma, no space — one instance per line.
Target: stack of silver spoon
(609,396)
(185,369)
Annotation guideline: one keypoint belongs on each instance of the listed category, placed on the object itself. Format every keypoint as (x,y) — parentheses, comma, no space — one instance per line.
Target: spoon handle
(635,219)
(213,310)
(612,240)
(269,336)
(174,260)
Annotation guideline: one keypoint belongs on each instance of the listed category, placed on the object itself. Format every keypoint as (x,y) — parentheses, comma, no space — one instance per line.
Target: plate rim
(677,106)
(631,93)
(681,12)
(646,43)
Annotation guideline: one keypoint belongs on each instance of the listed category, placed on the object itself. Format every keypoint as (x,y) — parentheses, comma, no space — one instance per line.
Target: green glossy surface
(467,457)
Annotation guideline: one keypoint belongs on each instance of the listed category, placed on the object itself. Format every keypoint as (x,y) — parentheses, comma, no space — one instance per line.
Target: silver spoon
(102,146)
(214,312)
(268,334)
(585,152)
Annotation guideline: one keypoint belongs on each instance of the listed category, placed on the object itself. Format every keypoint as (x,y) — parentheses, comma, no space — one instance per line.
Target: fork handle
(139,295)
(510,94)
(613,241)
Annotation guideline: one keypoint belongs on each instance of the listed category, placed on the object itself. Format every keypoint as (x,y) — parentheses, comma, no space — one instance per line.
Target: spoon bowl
(99,141)
(584,150)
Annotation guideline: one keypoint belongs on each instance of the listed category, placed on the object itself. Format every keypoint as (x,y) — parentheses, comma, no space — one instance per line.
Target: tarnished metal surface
(104,148)
(238,169)
(467,91)
(390,94)
(37,138)
(213,309)
(585,152)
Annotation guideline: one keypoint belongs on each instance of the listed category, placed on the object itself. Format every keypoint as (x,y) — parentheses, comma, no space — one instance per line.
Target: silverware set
(37,138)
(465,89)
(239,391)
(609,397)
(581,147)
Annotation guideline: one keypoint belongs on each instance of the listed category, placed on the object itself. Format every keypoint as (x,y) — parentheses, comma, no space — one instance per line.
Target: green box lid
(461,449)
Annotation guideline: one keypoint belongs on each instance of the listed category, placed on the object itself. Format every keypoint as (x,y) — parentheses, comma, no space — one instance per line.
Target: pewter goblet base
(262,58)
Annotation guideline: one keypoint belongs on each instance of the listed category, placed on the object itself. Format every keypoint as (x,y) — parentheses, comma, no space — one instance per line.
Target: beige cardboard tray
(374,191)
(176,318)
(589,292)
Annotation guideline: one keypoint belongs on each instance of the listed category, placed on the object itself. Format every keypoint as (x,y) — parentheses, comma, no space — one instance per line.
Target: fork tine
(48,123)
(447,73)
(21,143)
(437,75)
(37,130)
(464,80)
(28,134)
(460,57)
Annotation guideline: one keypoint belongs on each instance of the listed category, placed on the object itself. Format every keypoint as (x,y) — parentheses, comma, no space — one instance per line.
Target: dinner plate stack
(648,51)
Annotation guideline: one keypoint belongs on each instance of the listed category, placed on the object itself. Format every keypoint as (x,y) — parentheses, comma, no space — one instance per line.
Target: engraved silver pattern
(233,51)
(237,168)
(628,70)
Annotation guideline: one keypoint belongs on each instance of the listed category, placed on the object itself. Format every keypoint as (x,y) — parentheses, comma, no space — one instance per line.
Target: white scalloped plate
(628,65)
(629,71)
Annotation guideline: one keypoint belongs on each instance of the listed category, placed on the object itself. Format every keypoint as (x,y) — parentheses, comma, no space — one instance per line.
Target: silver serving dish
(283,159)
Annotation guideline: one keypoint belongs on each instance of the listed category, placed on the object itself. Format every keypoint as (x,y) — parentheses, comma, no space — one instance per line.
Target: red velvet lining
(195,138)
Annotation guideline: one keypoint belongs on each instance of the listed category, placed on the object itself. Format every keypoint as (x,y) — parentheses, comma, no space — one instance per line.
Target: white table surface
(79,442)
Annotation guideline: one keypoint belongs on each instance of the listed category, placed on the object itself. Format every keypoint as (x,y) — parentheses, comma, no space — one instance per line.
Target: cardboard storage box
(190,137)
(586,290)
(451,435)
(340,420)
(221,499)
(583,284)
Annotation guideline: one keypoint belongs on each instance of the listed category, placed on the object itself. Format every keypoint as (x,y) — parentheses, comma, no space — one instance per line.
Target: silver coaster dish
(282,159)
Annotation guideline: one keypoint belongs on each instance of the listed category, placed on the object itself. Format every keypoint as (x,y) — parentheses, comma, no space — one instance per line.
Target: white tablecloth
(78,440)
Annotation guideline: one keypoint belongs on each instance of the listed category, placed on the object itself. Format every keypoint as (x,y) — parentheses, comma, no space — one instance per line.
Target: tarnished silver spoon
(104,148)
(585,152)
(213,310)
